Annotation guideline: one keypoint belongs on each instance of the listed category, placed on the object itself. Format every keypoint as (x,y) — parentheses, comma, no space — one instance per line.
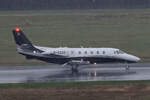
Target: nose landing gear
(127,68)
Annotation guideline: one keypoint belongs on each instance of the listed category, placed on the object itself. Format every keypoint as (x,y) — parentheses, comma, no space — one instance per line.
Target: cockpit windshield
(119,52)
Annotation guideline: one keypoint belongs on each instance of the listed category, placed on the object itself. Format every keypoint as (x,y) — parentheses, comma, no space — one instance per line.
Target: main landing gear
(74,68)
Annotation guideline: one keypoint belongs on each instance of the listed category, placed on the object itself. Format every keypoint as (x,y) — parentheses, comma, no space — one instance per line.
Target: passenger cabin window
(91,52)
(103,52)
(97,52)
(85,52)
(72,52)
(79,52)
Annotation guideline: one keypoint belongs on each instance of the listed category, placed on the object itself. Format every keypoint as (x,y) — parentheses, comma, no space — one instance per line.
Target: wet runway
(56,73)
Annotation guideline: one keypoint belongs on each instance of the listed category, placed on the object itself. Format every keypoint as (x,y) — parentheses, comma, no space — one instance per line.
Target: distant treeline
(72,4)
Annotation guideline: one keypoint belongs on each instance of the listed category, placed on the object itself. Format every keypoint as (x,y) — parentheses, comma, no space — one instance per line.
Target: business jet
(73,57)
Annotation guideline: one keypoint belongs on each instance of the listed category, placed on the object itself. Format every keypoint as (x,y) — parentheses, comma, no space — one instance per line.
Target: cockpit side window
(118,52)
(121,52)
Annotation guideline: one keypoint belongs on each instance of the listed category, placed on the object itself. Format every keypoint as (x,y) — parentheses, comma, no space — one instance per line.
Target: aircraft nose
(137,59)
(134,58)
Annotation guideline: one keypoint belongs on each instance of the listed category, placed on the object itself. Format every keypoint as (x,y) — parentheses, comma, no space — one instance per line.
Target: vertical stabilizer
(23,44)
(20,38)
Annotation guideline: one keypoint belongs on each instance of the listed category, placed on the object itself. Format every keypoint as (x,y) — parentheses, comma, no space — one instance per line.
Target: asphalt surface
(56,73)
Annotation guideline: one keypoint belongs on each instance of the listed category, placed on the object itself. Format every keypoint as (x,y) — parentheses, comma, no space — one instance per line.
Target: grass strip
(71,84)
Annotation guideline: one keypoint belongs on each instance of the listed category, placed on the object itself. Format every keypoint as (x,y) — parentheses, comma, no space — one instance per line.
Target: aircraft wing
(77,63)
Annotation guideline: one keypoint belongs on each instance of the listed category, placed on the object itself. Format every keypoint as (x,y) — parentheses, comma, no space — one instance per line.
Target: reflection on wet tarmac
(55,73)
(84,75)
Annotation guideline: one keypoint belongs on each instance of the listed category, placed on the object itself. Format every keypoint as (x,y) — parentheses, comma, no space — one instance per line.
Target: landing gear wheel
(127,67)
(74,68)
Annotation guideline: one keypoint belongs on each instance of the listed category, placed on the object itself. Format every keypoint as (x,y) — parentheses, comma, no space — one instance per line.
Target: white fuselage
(90,52)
